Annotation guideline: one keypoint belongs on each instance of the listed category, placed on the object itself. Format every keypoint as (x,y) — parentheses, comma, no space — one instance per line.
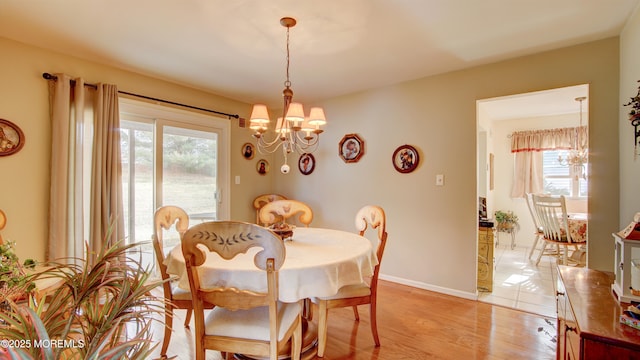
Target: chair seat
(250,324)
(179,294)
(350,291)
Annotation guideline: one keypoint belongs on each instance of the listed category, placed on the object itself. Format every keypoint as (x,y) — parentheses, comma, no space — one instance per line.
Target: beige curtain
(528,146)
(86,188)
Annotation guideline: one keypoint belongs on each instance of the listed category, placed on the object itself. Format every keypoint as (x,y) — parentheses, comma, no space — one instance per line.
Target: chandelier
(293,132)
(577,157)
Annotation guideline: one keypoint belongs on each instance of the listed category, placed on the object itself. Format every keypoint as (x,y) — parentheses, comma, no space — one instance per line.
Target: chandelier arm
(306,142)
(268,147)
(308,149)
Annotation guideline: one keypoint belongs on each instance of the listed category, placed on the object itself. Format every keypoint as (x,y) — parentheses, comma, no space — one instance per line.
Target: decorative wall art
(405,159)
(11,138)
(351,148)
(248,151)
(262,167)
(306,164)
(634,119)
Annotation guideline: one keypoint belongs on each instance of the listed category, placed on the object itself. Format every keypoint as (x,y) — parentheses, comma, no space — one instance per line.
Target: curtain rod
(235,116)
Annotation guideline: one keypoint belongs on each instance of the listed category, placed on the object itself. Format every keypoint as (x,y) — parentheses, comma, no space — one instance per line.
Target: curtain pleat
(65,202)
(549,139)
(527,147)
(107,223)
(86,187)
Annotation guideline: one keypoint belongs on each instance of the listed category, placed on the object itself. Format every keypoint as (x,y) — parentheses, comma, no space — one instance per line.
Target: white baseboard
(434,288)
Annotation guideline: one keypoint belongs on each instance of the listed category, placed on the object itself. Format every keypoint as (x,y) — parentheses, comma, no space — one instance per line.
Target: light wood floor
(419,324)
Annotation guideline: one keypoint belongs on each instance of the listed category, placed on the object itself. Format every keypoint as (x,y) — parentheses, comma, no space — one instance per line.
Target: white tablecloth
(319,262)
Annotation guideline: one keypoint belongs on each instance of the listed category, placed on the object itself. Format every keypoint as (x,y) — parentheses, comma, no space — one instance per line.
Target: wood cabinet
(485,259)
(588,318)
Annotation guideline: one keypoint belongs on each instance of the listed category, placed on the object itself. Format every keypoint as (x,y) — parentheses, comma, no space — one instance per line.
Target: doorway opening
(517,281)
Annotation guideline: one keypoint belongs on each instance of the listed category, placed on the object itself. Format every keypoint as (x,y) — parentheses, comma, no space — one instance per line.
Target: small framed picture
(351,148)
(262,167)
(11,138)
(405,159)
(248,150)
(306,164)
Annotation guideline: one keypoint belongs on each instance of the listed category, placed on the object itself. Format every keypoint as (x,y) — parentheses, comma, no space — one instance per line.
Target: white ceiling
(237,48)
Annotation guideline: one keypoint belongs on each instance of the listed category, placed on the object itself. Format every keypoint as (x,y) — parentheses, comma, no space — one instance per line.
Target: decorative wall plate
(351,148)
(405,159)
(262,167)
(248,151)
(11,138)
(306,164)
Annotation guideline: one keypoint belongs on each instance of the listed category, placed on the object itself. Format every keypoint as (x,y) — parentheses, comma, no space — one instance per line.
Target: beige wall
(24,177)
(629,75)
(432,230)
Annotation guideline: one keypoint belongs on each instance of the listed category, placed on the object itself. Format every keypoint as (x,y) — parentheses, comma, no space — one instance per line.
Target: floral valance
(549,139)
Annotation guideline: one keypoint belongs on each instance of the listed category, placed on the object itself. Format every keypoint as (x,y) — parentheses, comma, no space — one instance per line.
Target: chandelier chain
(287,82)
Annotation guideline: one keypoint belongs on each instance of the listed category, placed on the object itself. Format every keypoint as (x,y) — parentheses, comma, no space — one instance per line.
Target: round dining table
(318,263)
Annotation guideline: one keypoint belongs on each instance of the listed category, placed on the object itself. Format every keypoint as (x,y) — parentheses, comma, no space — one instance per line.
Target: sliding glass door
(171,157)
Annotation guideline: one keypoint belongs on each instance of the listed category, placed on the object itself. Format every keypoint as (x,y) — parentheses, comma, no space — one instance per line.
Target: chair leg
(355,313)
(323,313)
(307,309)
(544,248)
(533,247)
(168,328)
(296,342)
(187,318)
(374,323)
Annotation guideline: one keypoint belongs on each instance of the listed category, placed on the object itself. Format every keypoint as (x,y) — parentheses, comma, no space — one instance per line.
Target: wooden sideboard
(588,318)
(485,259)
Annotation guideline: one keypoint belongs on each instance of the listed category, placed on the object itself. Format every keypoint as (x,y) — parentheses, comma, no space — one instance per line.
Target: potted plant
(507,221)
(102,310)
(15,284)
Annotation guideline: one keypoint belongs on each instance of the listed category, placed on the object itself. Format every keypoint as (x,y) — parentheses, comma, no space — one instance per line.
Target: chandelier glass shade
(578,156)
(293,131)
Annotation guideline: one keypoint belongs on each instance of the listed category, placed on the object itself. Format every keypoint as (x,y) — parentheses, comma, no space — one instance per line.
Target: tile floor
(519,283)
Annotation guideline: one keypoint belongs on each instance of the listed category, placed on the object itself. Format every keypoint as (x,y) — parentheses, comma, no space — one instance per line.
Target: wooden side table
(486,260)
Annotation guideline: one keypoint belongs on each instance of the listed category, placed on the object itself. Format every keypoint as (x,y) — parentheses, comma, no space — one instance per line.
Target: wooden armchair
(554,220)
(360,294)
(175,298)
(262,200)
(536,223)
(242,321)
(272,212)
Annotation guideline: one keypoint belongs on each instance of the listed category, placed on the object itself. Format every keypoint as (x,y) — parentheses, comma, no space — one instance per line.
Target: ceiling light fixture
(293,131)
(578,156)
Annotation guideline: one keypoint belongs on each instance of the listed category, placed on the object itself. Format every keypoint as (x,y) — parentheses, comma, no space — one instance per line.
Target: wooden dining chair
(175,298)
(243,321)
(283,210)
(536,223)
(554,220)
(262,200)
(372,217)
